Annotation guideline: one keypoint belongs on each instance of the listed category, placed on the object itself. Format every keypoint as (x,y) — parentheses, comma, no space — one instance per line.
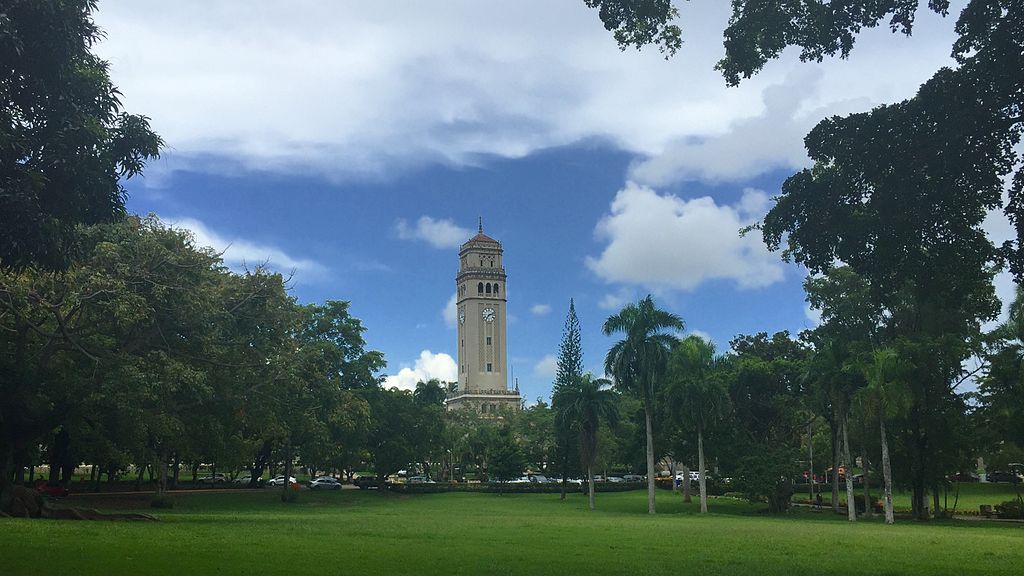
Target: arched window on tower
(488,289)
(480,288)
(495,289)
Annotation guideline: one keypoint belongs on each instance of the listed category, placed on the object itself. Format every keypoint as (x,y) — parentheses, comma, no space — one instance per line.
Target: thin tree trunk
(868,512)
(700,471)
(672,473)
(851,498)
(161,484)
(835,464)
(935,502)
(176,471)
(650,455)
(886,473)
(590,474)
(810,450)
(686,484)
(287,470)
(565,467)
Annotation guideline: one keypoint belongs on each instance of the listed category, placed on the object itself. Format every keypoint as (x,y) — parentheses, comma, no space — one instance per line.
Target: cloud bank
(427,366)
(665,242)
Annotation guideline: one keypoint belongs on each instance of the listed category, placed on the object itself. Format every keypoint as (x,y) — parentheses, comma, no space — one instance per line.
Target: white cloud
(428,365)
(437,233)
(370,88)
(665,242)
(750,146)
(450,312)
(239,253)
(546,367)
(540,309)
(702,335)
(813,315)
(616,300)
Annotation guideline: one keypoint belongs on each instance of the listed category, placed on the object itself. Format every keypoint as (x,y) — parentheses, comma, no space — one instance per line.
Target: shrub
(1010,509)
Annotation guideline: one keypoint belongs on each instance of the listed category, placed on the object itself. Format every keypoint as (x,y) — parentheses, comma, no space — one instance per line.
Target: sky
(354,146)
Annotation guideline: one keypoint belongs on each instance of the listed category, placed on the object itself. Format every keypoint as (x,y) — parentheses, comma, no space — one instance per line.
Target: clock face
(462,315)
(489,314)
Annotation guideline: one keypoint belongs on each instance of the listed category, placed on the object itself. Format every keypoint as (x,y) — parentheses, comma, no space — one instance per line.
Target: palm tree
(582,406)
(698,397)
(638,361)
(886,396)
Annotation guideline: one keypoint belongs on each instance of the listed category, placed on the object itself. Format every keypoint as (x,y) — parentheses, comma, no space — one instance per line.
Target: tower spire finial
(480,227)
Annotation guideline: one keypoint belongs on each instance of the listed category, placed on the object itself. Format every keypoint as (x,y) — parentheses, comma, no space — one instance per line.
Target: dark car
(1000,476)
(53,490)
(366,482)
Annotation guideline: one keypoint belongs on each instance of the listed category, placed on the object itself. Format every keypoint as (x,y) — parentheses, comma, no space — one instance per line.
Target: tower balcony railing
(499,392)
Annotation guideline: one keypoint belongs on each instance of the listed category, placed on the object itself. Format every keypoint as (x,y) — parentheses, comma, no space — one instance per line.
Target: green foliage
(638,23)
(65,143)
(506,459)
(583,406)
(759,31)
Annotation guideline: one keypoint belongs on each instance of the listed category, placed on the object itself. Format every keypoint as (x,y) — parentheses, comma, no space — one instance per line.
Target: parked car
(420,480)
(246,480)
(279,481)
(214,479)
(633,478)
(325,483)
(53,490)
(1000,476)
(366,482)
(614,479)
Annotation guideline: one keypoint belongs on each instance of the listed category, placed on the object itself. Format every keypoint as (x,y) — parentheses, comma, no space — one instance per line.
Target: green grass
(972,496)
(355,532)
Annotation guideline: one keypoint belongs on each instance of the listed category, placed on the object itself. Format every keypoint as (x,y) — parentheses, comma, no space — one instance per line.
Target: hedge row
(508,488)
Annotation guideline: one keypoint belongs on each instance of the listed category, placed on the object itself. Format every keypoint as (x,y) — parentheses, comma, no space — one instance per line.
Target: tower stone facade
(482,345)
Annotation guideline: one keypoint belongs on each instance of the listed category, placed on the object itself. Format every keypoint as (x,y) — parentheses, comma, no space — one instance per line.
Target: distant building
(482,345)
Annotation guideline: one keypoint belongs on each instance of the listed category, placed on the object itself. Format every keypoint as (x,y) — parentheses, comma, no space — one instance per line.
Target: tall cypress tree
(570,368)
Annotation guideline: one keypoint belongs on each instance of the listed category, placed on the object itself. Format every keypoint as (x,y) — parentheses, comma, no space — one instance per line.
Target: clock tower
(481,298)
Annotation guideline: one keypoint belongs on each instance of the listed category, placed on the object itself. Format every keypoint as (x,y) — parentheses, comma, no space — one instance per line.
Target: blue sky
(356,145)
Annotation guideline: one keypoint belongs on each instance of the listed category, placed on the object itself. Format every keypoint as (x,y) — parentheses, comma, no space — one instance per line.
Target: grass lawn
(972,496)
(356,532)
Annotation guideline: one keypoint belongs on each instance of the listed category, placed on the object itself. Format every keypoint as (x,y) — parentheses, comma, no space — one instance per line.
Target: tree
(506,462)
(66,144)
(886,396)
(583,406)
(638,361)
(764,376)
(699,397)
(569,370)
(900,199)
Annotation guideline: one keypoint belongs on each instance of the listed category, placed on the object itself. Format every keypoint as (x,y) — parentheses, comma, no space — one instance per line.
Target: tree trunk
(868,512)
(651,472)
(886,473)
(565,466)
(176,471)
(686,484)
(161,484)
(672,473)
(58,453)
(700,471)
(810,451)
(590,484)
(835,465)
(935,501)
(287,470)
(851,498)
